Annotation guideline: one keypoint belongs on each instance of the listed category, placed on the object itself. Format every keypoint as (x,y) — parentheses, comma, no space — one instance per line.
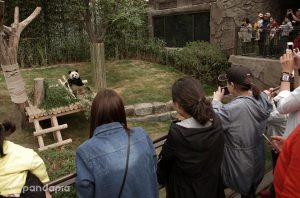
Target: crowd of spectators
(268,36)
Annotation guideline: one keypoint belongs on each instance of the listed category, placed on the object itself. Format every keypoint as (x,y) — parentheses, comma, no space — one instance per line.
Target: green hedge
(200,59)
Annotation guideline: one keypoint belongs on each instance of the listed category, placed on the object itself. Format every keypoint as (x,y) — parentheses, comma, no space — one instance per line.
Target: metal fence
(265,43)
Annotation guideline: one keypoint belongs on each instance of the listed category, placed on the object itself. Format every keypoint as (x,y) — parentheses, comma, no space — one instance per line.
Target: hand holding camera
(219,94)
(290,45)
(226,91)
(287,62)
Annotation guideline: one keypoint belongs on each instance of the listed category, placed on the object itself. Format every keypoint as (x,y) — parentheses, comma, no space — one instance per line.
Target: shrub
(200,59)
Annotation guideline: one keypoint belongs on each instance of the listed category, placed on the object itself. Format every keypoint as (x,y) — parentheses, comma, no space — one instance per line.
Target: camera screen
(290,45)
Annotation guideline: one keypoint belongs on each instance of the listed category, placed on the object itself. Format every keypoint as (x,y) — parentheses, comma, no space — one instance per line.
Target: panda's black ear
(76,70)
(69,72)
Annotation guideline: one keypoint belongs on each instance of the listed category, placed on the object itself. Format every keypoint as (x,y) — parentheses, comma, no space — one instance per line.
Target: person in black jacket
(191,157)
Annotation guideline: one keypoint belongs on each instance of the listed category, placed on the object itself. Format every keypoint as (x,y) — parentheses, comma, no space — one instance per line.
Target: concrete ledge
(155,117)
(144,109)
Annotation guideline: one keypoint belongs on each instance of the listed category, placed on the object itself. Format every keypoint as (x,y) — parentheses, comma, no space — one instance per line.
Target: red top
(287,171)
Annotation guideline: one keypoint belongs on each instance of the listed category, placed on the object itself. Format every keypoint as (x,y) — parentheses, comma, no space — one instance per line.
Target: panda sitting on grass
(76,83)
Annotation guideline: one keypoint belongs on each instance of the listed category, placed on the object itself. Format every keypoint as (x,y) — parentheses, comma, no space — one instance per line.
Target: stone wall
(266,72)
(225,18)
(156,111)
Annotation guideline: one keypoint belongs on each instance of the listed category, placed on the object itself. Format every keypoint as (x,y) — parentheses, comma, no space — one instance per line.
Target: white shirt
(289,102)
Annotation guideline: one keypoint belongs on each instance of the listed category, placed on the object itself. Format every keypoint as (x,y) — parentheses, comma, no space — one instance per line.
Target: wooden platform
(35,115)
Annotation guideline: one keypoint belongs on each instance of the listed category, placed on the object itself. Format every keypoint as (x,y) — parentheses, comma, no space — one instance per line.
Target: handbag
(126,168)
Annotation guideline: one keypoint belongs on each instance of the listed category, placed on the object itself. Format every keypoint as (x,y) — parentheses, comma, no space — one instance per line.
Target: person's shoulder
(175,129)
(138,131)
(235,102)
(84,146)
(17,147)
(18,150)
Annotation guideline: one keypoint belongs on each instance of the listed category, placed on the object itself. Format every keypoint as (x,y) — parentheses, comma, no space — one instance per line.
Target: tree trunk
(98,65)
(9,42)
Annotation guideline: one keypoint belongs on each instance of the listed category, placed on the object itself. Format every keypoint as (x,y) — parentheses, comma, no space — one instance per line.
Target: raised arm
(288,102)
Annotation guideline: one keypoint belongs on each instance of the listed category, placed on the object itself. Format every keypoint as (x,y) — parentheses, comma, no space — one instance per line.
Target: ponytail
(255,91)
(203,111)
(6,128)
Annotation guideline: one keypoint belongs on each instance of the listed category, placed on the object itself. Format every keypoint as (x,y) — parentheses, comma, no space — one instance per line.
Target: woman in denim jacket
(101,160)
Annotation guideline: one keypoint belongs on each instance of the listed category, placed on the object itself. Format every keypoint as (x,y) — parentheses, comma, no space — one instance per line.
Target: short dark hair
(188,93)
(6,128)
(107,107)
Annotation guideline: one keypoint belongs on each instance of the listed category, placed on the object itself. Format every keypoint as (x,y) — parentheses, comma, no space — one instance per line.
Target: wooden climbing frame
(36,115)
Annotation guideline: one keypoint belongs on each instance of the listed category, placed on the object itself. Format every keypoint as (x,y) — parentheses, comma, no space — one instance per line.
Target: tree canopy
(64,29)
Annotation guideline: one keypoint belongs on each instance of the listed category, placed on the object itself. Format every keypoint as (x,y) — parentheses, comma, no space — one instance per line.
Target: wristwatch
(285,77)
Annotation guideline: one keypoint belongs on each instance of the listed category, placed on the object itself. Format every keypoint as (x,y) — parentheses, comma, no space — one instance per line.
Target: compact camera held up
(289,12)
(290,45)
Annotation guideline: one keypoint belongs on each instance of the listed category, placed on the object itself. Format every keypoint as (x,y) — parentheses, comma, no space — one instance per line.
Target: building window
(177,30)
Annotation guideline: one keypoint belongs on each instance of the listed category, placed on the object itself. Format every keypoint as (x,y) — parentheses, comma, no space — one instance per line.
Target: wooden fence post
(38,91)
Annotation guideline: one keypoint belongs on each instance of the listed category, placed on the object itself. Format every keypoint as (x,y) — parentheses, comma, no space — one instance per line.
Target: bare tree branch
(6,29)
(16,15)
(33,15)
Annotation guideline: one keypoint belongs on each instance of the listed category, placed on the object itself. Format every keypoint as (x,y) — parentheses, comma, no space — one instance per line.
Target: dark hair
(107,107)
(188,93)
(247,86)
(247,20)
(6,128)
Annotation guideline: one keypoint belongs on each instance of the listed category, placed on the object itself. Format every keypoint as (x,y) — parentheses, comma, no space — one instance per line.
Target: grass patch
(136,81)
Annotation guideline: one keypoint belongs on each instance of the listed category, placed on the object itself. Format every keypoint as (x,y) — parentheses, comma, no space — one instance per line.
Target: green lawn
(136,81)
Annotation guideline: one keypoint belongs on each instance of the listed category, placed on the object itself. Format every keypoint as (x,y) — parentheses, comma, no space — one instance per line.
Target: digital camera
(226,91)
(290,45)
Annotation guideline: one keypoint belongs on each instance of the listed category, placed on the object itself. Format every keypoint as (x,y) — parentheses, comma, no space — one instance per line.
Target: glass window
(177,30)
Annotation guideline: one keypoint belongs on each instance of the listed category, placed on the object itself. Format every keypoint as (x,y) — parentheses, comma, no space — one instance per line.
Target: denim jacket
(101,161)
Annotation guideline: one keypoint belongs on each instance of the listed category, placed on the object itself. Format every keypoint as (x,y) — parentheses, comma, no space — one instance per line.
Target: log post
(98,65)
(38,91)
(1,15)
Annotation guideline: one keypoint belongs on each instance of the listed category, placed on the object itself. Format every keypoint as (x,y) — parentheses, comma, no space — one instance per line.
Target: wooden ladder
(55,129)
(36,115)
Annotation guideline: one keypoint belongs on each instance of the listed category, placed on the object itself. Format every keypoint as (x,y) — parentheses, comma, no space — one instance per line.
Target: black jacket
(190,162)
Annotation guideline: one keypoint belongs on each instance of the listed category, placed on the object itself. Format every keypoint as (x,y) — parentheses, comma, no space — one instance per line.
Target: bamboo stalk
(49,130)
(55,145)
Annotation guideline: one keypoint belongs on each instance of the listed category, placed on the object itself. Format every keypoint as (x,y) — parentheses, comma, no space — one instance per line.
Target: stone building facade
(225,16)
